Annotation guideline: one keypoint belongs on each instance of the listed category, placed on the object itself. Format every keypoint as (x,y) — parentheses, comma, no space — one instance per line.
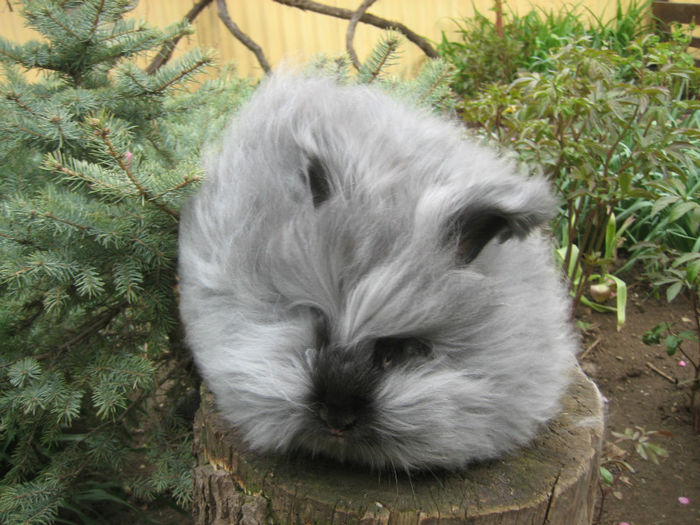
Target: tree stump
(552,481)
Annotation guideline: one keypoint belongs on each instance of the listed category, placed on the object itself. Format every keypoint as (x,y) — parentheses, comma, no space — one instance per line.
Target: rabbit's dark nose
(339,418)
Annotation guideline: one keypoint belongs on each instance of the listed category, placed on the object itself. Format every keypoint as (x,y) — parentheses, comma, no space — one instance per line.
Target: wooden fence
(680,12)
(288,33)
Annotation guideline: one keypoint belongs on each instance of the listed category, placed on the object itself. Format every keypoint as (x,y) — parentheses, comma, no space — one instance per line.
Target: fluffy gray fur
(360,282)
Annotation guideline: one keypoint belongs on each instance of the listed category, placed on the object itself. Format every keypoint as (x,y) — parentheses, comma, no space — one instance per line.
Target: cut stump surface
(553,481)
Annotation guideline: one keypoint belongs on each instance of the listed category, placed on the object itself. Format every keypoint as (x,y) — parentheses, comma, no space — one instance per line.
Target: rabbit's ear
(511,210)
(319,183)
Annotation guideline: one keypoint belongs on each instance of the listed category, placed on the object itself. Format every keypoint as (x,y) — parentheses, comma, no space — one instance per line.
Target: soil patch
(638,396)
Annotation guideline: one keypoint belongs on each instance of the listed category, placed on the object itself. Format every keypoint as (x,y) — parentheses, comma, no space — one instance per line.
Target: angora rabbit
(359,282)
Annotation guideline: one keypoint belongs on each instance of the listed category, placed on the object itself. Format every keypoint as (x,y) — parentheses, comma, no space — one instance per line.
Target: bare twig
(241,36)
(367,18)
(663,374)
(166,52)
(590,347)
(499,17)
(350,35)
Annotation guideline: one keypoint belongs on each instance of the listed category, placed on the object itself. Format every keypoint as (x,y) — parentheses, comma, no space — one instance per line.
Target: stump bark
(553,481)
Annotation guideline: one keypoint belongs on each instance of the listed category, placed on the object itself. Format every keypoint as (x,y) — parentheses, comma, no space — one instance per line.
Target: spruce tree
(96,157)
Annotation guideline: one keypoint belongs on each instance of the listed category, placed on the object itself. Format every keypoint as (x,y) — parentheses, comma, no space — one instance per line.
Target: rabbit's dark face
(345,387)
(359,282)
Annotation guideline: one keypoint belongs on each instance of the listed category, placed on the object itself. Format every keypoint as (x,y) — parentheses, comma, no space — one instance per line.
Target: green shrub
(481,56)
(612,131)
(95,158)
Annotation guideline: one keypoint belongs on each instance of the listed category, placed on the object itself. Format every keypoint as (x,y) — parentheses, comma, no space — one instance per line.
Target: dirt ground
(638,396)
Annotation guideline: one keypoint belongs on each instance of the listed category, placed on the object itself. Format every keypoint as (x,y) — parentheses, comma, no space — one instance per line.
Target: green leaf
(680,209)
(641,451)
(672,342)
(658,450)
(673,290)
(690,335)
(653,336)
(663,203)
(610,237)
(692,271)
(620,300)
(606,476)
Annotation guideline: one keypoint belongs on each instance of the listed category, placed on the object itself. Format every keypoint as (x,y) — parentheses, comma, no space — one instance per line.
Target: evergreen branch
(51,216)
(166,52)
(56,166)
(158,253)
(93,327)
(184,183)
(350,34)
(46,500)
(93,262)
(6,53)
(133,239)
(440,80)
(114,36)
(104,135)
(96,21)
(144,88)
(198,64)
(373,67)
(19,272)
(24,242)
(90,328)
(241,36)
(77,470)
(367,18)
(29,131)
(84,227)
(134,404)
(14,97)
(49,15)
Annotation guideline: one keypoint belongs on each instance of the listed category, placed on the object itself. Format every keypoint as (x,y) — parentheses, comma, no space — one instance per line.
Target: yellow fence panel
(289,34)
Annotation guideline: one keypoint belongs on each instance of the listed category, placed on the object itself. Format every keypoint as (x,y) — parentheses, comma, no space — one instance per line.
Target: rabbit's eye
(392,351)
(318,181)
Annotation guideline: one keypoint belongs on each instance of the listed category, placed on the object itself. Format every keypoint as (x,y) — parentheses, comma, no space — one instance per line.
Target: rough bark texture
(553,481)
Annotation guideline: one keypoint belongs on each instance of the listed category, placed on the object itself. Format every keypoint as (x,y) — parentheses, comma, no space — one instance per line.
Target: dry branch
(166,52)
(662,374)
(241,36)
(350,35)
(367,18)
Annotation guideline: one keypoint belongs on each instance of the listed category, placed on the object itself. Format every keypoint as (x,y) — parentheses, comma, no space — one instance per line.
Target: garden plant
(612,121)
(609,112)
